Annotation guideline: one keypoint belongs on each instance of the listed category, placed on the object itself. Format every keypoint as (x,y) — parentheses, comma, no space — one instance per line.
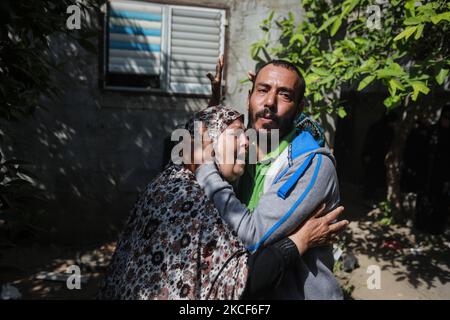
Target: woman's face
(231,150)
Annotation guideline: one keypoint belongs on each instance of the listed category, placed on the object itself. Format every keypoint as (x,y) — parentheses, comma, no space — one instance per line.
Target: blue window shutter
(134,37)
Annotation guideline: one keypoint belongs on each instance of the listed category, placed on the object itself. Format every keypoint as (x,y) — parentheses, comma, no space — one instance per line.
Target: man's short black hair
(287,65)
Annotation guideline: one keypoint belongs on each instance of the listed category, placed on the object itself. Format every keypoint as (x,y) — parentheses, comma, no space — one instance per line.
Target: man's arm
(216,83)
(274,217)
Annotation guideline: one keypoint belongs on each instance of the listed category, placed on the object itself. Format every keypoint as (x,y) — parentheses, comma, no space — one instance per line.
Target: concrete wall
(95,150)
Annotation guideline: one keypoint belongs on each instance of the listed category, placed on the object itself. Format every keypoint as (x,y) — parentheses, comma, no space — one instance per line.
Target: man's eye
(286,95)
(262,90)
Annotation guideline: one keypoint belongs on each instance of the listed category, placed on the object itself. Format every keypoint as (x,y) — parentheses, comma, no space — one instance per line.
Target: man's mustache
(267,114)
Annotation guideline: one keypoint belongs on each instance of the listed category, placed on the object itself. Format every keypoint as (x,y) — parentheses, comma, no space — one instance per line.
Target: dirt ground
(412,265)
(22,267)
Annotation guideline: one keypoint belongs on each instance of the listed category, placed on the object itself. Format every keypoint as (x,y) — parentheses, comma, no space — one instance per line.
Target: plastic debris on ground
(350,262)
(392,244)
(337,253)
(10,292)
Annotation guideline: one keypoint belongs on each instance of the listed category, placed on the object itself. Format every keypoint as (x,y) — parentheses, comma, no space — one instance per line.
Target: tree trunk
(394,161)
(329,121)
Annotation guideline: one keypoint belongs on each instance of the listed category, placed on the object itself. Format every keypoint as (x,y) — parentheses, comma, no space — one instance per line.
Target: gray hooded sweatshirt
(301,179)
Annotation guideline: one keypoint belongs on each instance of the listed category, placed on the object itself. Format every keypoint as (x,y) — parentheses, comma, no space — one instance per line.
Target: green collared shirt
(251,184)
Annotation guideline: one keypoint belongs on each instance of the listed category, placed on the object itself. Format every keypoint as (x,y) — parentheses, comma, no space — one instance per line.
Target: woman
(176,246)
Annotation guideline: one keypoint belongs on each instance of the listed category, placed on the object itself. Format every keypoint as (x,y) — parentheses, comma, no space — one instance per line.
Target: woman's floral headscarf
(216,119)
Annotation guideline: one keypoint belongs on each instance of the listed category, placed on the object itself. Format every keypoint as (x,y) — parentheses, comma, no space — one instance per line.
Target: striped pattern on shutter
(134,37)
(197,38)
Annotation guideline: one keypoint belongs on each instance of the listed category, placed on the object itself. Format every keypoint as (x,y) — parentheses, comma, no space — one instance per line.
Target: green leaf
(297,37)
(341,112)
(327,79)
(412,21)
(320,71)
(441,76)
(256,47)
(391,101)
(394,84)
(349,44)
(406,33)
(365,82)
(348,74)
(361,41)
(419,31)
(387,221)
(327,23)
(367,65)
(419,86)
(393,70)
(291,16)
(442,16)
(317,97)
(311,78)
(254,51)
(336,25)
(410,5)
(349,8)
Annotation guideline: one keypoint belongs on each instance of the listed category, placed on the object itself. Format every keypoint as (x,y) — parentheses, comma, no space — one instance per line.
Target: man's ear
(248,99)
(300,107)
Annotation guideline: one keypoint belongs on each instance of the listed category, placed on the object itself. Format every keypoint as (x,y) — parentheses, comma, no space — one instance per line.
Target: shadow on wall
(93,151)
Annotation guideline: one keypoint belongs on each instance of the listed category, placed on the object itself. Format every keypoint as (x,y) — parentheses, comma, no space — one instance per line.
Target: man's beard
(281,124)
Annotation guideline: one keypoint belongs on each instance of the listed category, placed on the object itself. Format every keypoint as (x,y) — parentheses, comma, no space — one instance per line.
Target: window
(161,47)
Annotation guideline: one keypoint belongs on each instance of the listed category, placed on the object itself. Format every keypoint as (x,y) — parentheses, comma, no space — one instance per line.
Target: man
(284,187)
